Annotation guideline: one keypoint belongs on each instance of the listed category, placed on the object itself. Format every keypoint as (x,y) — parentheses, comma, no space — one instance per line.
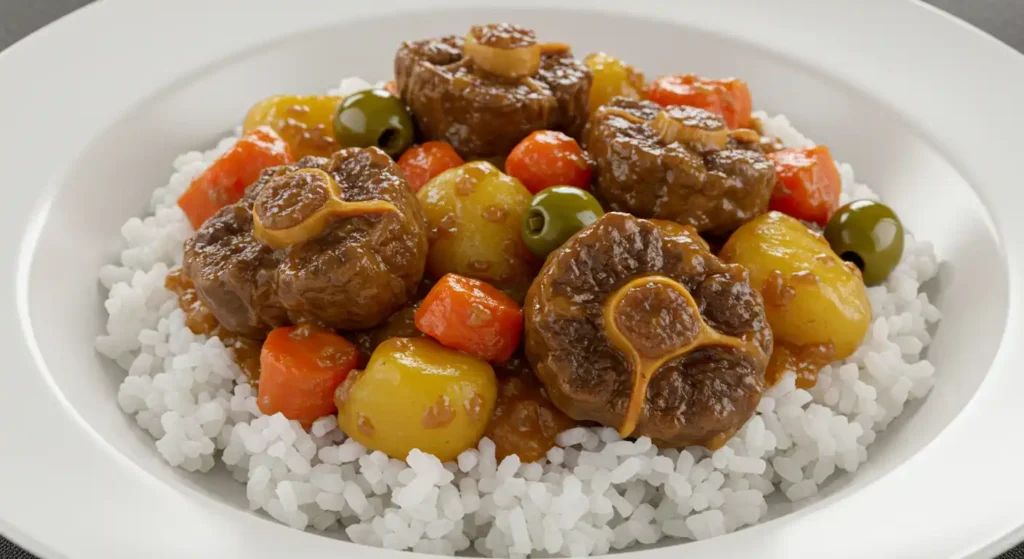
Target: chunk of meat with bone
(634,324)
(678,163)
(339,242)
(485,92)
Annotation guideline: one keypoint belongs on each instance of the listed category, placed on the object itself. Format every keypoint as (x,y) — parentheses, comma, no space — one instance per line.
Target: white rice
(594,494)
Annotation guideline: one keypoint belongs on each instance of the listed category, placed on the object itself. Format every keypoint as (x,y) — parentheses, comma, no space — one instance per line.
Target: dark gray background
(1002,18)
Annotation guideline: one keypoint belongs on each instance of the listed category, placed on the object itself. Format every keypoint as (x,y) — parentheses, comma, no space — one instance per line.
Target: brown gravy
(806,361)
(201,321)
(525,422)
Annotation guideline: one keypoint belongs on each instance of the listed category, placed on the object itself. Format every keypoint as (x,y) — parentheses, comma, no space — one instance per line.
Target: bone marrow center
(292,198)
(656,316)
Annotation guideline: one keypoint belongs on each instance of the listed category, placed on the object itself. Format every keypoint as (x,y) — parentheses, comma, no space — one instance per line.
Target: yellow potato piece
(811,296)
(304,122)
(416,393)
(473,214)
(612,78)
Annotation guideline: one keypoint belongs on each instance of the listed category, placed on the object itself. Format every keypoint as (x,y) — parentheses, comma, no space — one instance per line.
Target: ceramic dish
(918,102)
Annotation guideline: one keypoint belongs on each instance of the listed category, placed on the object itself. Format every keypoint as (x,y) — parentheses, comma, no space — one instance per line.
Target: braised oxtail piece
(634,324)
(339,242)
(487,90)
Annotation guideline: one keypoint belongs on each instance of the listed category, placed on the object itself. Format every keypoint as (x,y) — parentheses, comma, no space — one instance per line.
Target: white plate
(94,107)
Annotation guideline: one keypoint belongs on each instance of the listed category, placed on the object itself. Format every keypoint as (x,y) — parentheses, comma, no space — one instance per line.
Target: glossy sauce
(805,361)
(439,415)
(775,291)
(201,321)
(525,422)
(402,324)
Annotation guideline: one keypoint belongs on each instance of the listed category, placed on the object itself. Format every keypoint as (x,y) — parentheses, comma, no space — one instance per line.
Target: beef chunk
(634,324)
(349,250)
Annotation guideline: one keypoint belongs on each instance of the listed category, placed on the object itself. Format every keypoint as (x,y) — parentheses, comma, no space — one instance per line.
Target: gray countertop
(1004,19)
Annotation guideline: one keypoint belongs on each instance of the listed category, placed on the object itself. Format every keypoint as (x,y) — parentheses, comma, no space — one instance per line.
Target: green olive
(556,214)
(869,234)
(374,117)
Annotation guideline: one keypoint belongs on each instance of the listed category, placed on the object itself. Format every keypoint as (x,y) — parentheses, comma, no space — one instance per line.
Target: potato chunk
(416,393)
(473,215)
(306,122)
(812,297)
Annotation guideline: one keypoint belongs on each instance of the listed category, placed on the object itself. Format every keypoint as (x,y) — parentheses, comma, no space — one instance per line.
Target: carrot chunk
(300,367)
(548,158)
(807,184)
(421,163)
(471,316)
(728,98)
(224,182)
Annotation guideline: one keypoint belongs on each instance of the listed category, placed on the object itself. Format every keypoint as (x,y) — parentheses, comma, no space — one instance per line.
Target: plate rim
(991,520)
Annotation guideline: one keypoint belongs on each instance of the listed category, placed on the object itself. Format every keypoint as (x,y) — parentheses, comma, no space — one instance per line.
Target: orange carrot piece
(471,316)
(807,184)
(548,158)
(300,367)
(728,98)
(421,163)
(738,106)
(224,182)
